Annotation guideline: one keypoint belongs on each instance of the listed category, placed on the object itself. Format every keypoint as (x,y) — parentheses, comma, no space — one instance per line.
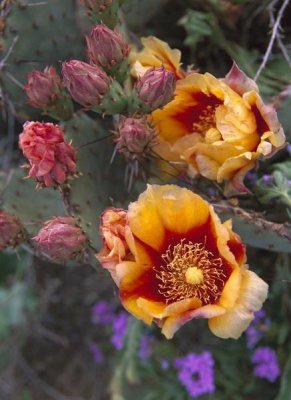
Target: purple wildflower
(252,177)
(145,350)
(119,327)
(196,373)
(266,364)
(165,364)
(102,313)
(267,179)
(256,330)
(289,149)
(96,353)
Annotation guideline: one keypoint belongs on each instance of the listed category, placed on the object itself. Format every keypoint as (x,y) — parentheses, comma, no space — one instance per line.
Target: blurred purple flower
(102,313)
(267,179)
(266,364)
(252,177)
(165,364)
(119,327)
(96,353)
(289,149)
(196,373)
(145,349)
(257,328)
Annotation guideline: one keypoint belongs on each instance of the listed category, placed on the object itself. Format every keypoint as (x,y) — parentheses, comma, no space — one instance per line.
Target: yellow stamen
(189,271)
(194,276)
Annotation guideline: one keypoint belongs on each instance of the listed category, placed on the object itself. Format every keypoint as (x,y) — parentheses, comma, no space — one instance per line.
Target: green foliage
(277,190)
(285,386)
(18,196)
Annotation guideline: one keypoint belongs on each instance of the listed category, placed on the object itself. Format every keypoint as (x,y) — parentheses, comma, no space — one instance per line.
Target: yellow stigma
(194,276)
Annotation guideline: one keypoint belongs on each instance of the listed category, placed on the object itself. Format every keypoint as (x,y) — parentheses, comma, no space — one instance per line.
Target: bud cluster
(93,84)
(52,159)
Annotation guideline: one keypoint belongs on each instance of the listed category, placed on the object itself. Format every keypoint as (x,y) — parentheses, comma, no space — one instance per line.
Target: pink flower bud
(106,47)
(135,136)
(86,83)
(61,239)
(52,159)
(156,87)
(11,230)
(43,88)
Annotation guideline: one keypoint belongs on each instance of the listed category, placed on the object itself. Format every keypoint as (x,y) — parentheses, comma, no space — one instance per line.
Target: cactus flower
(61,239)
(156,87)
(182,263)
(52,159)
(86,83)
(155,53)
(106,47)
(43,88)
(11,230)
(219,127)
(135,137)
(112,229)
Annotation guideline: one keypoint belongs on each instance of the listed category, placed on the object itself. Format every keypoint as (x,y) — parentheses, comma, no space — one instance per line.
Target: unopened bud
(43,88)
(86,83)
(135,137)
(52,159)
(106,47)
(61,239)
(156,87)
(11,230)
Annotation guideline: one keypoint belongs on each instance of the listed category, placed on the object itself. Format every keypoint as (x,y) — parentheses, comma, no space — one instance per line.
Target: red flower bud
(11,230)
(86,83)
(156,87)
(135,137)
(61,239)
(106,47)
(52,159)
(43,88)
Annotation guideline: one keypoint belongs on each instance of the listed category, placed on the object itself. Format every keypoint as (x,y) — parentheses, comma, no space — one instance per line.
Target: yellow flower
(183,263)
(155,53)
(219,127)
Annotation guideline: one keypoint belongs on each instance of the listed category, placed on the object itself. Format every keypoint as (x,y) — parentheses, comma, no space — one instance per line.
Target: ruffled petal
(253,292)
(172,324)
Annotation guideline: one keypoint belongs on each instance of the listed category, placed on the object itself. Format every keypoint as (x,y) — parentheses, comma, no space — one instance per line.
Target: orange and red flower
(218,127)
(173,260)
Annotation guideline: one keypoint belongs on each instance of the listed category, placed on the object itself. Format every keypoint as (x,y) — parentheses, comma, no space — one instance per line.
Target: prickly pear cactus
(36,34)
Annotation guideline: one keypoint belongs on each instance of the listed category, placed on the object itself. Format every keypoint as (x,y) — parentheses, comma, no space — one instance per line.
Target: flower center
(206,120)
(194,276)
(190,270)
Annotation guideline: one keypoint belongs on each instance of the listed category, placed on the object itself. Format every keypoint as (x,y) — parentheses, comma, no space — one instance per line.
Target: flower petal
(180,210)
(234,322)
(144,220)
(172,324)
(239,81)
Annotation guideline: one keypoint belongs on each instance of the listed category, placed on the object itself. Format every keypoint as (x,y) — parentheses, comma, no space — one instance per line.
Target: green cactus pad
(101,183)
(19,197)
(255,231)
